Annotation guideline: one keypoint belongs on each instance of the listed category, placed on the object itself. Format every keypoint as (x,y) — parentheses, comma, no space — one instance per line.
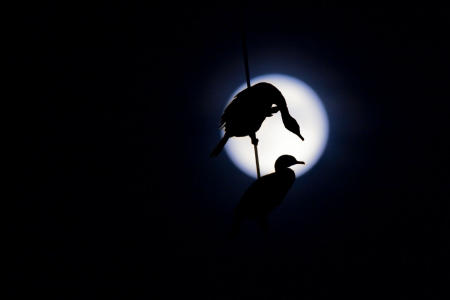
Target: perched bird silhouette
(265,194)
(248,110)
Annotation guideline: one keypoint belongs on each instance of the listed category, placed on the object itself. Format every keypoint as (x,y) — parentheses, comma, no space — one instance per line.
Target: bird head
(291,124)
(285,161)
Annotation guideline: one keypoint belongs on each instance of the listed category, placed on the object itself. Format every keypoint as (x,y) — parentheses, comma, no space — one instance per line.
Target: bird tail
(220,146)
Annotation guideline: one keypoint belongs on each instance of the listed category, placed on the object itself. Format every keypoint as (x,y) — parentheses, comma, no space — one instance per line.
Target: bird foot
(255,141)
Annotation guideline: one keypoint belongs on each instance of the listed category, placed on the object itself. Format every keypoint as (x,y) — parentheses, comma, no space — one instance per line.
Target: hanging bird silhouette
(265,194)
(248,110)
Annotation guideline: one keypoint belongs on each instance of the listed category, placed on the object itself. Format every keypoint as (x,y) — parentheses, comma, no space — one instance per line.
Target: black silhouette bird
(248,110)
(265,194)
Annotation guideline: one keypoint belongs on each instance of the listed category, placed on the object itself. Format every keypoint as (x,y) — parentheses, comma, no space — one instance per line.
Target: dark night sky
(115,109)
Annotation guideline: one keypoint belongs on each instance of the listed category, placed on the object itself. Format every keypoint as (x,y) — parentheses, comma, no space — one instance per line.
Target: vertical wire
(247,77)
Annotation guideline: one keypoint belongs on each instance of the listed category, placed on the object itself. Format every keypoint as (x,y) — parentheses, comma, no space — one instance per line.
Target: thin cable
(245,52)
(247,77)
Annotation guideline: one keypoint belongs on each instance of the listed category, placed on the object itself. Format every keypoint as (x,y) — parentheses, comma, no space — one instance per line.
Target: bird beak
(299,162)
(301,137)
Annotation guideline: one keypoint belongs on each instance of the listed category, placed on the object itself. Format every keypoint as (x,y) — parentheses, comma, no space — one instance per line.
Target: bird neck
(284,170)
(284,110)
(285,116)
(287,177)
(280,102)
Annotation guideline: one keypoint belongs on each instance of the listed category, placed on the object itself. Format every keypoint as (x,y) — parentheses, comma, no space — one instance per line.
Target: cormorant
(265,194)
(249,108)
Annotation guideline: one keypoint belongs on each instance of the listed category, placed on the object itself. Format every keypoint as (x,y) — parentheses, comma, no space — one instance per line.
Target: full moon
(274,139)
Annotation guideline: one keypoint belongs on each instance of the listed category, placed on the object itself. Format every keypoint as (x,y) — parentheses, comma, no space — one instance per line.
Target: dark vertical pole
(247,77)
(245,52)
(257,161)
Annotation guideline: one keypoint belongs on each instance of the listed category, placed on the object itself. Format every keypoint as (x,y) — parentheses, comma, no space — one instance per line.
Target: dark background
(114,112)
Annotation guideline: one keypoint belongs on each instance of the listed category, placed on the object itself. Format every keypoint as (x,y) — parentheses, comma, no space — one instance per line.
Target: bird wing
(266,193)
(257,195)
(240,106)
(248,109)
(230,111)
(259,187)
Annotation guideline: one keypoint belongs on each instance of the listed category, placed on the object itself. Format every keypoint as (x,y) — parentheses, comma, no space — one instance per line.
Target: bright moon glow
(274,139)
